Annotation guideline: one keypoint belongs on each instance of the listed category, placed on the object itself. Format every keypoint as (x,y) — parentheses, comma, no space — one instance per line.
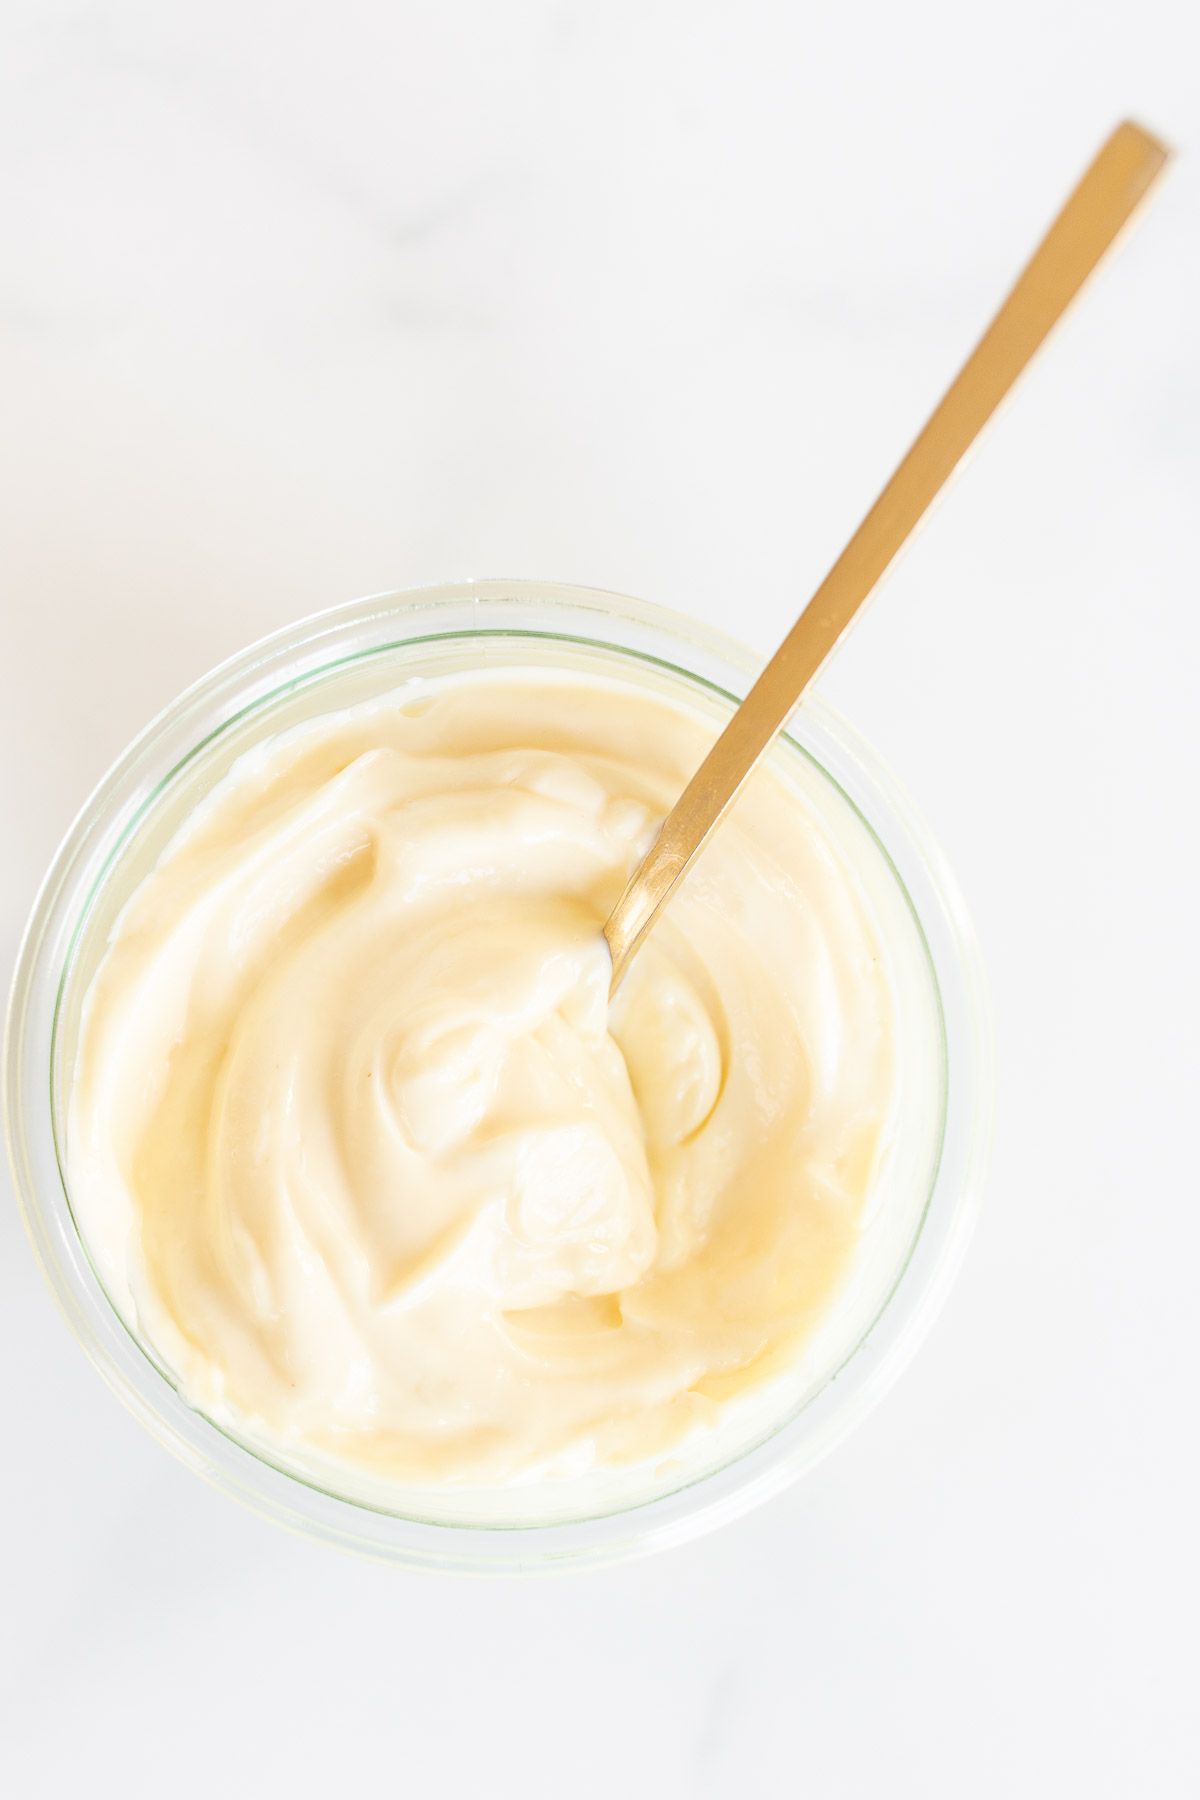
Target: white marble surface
(302,302)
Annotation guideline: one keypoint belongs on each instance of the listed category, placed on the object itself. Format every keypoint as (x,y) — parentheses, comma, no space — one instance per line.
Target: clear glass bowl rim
(300,651)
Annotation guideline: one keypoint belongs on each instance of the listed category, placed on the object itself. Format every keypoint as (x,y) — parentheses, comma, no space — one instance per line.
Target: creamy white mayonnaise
(357,1138)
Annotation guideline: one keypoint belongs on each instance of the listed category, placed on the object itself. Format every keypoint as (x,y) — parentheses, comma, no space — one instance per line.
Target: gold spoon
(1106,197)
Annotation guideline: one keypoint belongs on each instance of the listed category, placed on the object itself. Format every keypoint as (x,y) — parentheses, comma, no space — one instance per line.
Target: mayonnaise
(369,1158)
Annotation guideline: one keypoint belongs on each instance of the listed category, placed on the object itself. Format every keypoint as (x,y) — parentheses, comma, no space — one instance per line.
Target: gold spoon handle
(1104,200)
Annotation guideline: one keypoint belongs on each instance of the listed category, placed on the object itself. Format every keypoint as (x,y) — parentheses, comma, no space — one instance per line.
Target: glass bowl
(914,1240)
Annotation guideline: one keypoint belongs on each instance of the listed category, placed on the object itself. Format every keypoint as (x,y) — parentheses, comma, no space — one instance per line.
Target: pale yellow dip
(381,1176)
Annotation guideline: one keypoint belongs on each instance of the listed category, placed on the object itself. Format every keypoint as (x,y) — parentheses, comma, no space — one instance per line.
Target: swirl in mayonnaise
(380,1172)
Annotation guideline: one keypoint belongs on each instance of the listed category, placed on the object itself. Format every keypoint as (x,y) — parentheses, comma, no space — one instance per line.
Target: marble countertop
(303,303)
